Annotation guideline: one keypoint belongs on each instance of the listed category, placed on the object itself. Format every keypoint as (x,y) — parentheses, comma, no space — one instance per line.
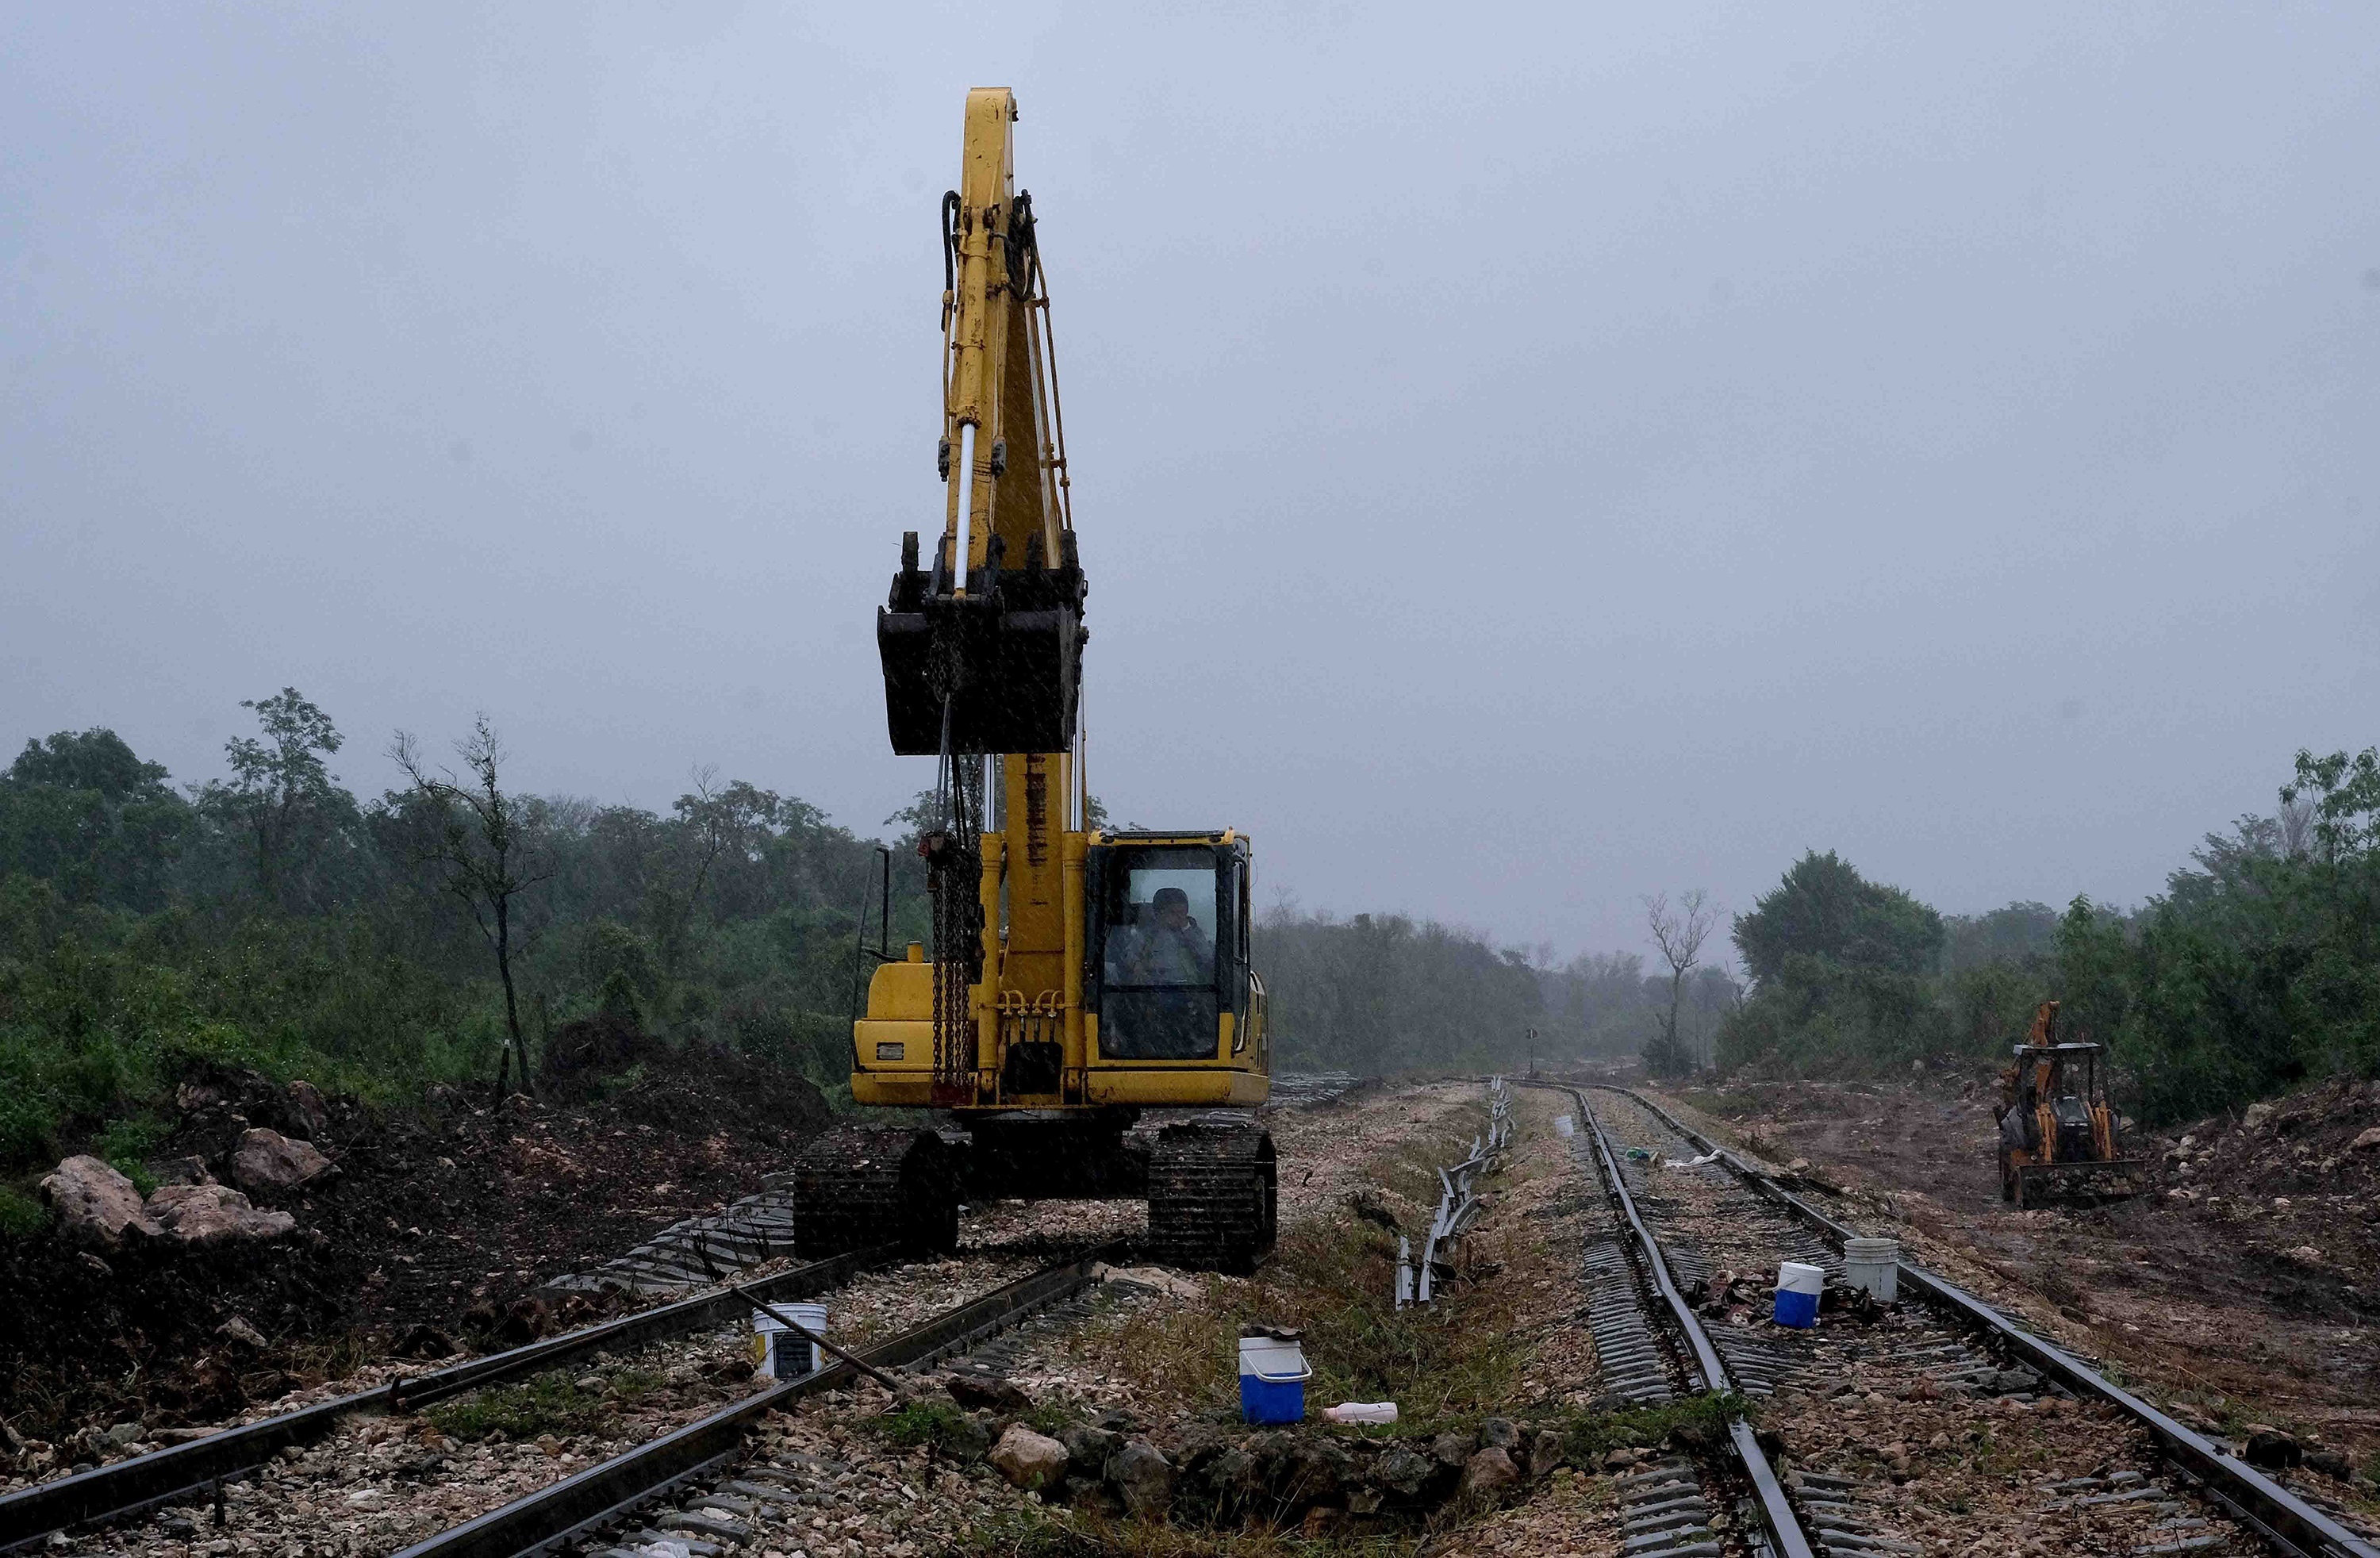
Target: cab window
(1159,909)
(1165,935)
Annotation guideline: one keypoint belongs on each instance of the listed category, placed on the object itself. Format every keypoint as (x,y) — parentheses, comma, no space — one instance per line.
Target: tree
(1825,910)
(1678,934)
(2344,794)
(1380,994)
(82,811)
(2015,934)
(485,847)
(282,797)
(1844,970)
(708,820)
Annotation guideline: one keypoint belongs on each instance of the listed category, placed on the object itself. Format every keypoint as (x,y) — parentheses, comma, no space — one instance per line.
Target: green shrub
(28,1116)
(127,1143)
(550,1402)
(938,1423)
(20,1214)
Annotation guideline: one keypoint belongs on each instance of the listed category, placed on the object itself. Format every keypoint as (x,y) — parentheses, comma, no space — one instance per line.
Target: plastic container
(1874,1267)
(1362,1412)
(784,1356)
(1273,1373)
(1798,1287)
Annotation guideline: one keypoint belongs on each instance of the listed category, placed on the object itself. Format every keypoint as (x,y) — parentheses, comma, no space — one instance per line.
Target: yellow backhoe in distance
(2057,1130)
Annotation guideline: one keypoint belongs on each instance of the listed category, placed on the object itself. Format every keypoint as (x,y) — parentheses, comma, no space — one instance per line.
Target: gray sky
(1525,457)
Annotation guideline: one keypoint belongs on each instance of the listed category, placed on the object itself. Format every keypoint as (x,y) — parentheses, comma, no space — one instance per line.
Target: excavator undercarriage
(1209,1182)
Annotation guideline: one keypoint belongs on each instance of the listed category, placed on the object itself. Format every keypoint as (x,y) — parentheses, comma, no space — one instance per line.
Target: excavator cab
(1166,974)
(1171,1011)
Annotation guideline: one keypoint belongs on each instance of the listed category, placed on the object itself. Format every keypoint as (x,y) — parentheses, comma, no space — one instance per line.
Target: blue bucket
(1273,1373)
(1798,1287)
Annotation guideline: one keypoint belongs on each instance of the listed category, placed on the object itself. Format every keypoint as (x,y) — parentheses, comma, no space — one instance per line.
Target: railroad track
(1652,1349)
(2016,1399)
(704,1483)
(201,1469)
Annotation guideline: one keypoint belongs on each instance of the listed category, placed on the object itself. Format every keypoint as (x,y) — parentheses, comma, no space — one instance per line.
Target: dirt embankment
(446,1216)
(2244,1285)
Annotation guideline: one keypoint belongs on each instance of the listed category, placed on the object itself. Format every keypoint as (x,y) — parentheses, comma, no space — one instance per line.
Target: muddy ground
(2242,1286)
(446,1216)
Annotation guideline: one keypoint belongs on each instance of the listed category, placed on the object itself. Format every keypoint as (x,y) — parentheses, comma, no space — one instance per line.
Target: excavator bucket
(1007,656)
(2111,1179)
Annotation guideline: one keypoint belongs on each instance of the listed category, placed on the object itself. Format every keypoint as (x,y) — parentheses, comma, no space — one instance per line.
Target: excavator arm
(982,641)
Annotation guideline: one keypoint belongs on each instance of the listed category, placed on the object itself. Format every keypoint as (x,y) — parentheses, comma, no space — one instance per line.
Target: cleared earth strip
(1929,1444)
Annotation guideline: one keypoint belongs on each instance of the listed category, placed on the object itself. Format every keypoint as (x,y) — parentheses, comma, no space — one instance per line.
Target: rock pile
(205,1213)
(100,1206)
(266,1160)
(97,1205)
(1214,1475)
(220,1106)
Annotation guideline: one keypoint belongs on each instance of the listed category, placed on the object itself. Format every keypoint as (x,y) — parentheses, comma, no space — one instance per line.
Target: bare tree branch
(482,843)
(1678,933)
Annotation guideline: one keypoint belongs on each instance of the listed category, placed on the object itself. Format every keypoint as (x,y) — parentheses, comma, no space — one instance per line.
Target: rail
(2248,1495)
(1458,1203)
(200,1467)
(1777,1515)
(544,1521)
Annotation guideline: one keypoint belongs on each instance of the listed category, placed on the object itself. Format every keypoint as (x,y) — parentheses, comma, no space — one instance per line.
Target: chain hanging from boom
(954,854)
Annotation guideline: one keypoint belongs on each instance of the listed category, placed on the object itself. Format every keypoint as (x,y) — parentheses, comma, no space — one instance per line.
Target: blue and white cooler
(1798,1287)
(1273,1373)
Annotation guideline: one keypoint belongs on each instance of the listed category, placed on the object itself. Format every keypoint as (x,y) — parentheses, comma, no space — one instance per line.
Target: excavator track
(863,1186)
(1213,1205)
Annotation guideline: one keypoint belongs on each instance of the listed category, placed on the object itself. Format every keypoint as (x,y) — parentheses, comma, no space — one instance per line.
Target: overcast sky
(1525,457)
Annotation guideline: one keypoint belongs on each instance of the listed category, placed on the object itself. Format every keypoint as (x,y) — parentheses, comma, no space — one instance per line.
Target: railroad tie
(705,1526)
(1629,1358)
(2205,1541)
(1834,1506)
(1663,1513)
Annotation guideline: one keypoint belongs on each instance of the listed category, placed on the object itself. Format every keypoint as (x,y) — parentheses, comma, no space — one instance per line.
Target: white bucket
(780,1361)
(1565,1125)
(1874,1267)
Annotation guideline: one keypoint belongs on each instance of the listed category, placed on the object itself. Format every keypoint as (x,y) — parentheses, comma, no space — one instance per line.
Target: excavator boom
(982,642)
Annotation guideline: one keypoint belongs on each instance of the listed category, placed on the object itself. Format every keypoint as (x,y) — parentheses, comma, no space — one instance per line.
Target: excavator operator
(1173,950)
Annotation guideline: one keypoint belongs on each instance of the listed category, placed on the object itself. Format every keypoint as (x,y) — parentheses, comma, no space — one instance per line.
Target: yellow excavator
(1079,977)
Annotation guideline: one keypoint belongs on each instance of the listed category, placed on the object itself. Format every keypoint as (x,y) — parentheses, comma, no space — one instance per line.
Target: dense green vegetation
(2257,968)
(274,919)
(2255,971)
